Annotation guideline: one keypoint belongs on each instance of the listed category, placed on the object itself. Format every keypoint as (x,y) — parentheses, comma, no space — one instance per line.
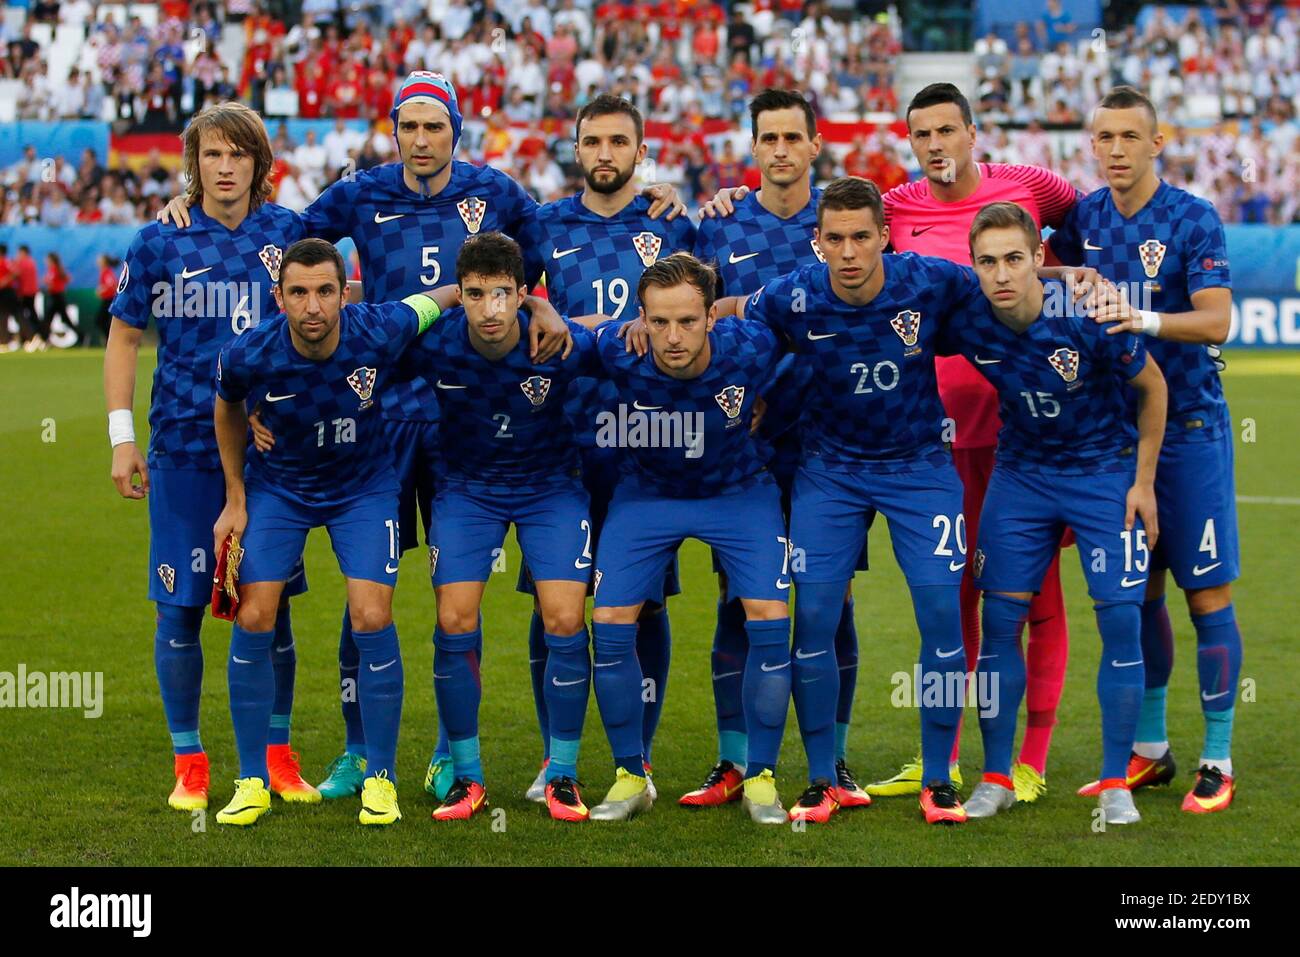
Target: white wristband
(1150,322)
(121,427)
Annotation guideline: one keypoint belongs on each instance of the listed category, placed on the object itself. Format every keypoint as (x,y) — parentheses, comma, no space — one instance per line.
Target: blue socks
(568,677)
(178,660)
(1218,665)
(766,692)
(654,647)
(458,691)
(816,679)
(846,654)
(1000,679)
(443,748)
(730,645)
(943,660)
(1158,658)
(349,659)
(380,685)
(537,672)
(252,691)
(617,677)
(1121,680)
(284,664)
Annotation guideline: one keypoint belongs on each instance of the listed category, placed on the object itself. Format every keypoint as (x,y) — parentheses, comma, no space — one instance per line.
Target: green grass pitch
(78,791)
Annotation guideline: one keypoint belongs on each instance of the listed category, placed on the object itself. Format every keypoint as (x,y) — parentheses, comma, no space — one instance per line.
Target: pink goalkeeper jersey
(919,223)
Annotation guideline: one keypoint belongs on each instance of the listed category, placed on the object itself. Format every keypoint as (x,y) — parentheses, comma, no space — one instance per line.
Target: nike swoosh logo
(1198,570)
(918,232)
(239,661)
(281,398)
(1087,244)
(390,568)
(608,664)
(824,335)
(798,653)
(579,563)
(441,677)
(733,258)
(727,674)
(382,667)
(1125,583)
(535,661)
(381,218)
(173,643)
(1211,697)
(1124,664)
(564,684)
(645,408)
(985,657)
(783,585)
(784,664)
(561,253)
(444,385)
(288,647)
(186,274)
(986,362)
(956,566)
(948,654)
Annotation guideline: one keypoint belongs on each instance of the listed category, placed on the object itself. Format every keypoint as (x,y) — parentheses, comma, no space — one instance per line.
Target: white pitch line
(1263,500)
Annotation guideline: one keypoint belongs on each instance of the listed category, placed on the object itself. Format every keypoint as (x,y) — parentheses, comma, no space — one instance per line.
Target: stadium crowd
(524,67)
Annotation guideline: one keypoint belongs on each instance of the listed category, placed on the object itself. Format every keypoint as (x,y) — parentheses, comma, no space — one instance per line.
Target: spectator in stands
(117,208)
(55,208)
(89,212)
(1055,26)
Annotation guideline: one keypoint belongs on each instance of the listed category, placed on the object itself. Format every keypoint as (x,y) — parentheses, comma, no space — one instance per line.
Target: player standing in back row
(1166,249)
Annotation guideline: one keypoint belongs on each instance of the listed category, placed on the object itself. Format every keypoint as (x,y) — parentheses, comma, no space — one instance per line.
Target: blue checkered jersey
(689,438)
(329,438)
(592,265)
(1060,386)
(754,246)
(503,421)
(202,287)
(1172,247)
(872,399)
(408,243)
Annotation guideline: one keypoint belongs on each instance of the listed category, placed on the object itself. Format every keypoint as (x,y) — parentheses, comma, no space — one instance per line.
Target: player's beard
(607,187)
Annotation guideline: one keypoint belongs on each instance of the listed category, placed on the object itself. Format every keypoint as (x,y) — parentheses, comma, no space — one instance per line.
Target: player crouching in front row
(1066,457)
(315,373)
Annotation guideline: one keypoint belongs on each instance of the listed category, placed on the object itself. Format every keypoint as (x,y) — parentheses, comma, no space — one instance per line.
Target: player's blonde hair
(1005,216)
(243,129)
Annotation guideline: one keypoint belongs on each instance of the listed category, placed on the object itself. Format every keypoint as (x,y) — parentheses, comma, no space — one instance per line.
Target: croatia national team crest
(1153,254)
(1066,362)
(729,401)
(978,563)
(817,250)
(433,559)
(647,246)
(471,210)
(595,581)
(363,383)
(168,576)
(908,326)
(536,388)
(271,256)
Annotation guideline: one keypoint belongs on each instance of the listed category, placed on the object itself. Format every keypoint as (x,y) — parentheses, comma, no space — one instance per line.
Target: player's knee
(621,615)
(371,616)
(565,621)
(177,621)
(256,616)
(765,610)
(457,621)
(1204,601)
(938,611)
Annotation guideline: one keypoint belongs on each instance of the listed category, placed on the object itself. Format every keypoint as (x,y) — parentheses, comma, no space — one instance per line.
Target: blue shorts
(1197,501)
(1025,512)
(600,474)
(415,449)
(184,504)
(644,530)
(469,529)
(363,530)
(831,512)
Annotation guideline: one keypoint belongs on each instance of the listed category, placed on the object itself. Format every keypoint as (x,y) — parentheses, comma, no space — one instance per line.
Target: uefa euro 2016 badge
(536,388)
(433,559)
(647,246)
(1066,363)
(363,383)
(1152,253)
(730,401)
(271,256)
(908,326)
(817,250)
(471,211)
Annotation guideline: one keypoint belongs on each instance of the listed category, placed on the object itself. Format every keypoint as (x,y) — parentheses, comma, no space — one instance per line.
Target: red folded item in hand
(225,582)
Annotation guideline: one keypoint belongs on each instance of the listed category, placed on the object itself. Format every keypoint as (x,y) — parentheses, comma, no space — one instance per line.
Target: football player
(1166,248)
(1067,456)
(202,287)
(318,373)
